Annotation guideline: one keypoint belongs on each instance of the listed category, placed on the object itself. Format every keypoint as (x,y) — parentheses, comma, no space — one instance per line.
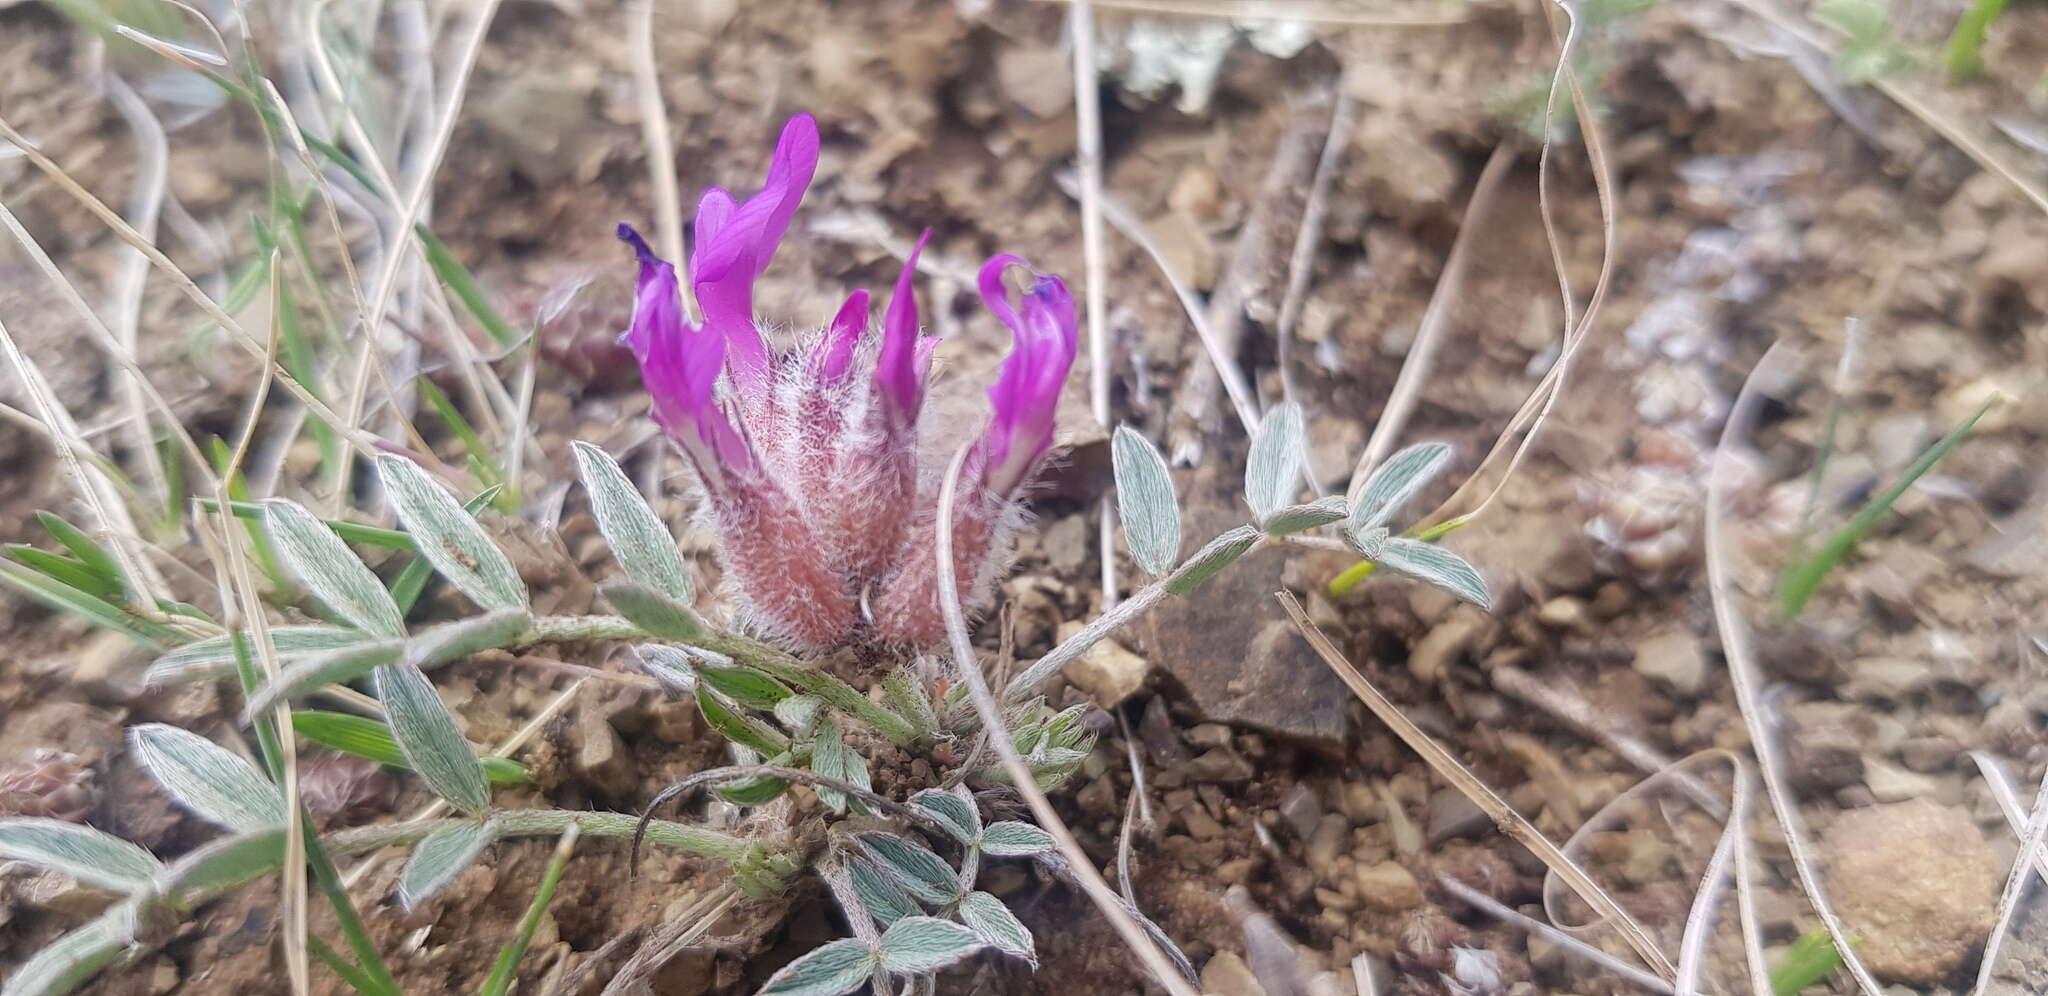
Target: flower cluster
(809,457)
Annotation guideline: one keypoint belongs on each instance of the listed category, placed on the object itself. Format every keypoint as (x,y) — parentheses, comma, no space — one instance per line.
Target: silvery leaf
(912,866)
(643,547)
(1395,482)
(667,665)
(1014,839)
(832,970)
(439,857)
(1208,561)
(797,711)
(426,734)
(880,894)
(214,657)
(1295,518)
(1435,565)
(1272,472)
(993,922)
(652,611)
(450,540)
(223,864)
(88,855)
(917,945)
(957,815)
(208,779)
(333,667)
(329,570)
(831,758)
(71,960)
(1145,501)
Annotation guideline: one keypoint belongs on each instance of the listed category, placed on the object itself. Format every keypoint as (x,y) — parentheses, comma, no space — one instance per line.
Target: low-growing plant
(827,525)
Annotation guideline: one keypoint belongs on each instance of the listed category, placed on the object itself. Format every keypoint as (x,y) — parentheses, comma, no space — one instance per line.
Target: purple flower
(809,458)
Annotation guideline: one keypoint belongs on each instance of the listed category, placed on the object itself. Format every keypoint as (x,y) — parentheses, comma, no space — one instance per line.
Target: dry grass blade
(1538,928)
(1747,677)
(1123,220)
(103,336)
(1088,163)
(145,206)
(1083,867)
(2002,790)
(1496,808)
(93,485)
(654,134)
(2031,842)
(423,181)
(1295,10)
(678,934)
(1243,275)
(185,284)
(1307,237)
(1535,411)
(247,604)
(1407,390)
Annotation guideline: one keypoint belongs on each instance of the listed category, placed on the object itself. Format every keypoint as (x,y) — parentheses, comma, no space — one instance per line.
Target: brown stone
(1230,645)
(1917,883)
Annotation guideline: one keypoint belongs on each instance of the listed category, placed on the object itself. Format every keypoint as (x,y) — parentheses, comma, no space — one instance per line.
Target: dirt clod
(1917,882)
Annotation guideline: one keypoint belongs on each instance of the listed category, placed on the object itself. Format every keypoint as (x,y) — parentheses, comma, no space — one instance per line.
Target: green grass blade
(390,539)
(298,358)
(505,969)
(65,570)
(238,492)
(1797,585)
(371,740)
(354,977)
(479,455)
(458,279)
(65,598)
(1963,54)
(90,554)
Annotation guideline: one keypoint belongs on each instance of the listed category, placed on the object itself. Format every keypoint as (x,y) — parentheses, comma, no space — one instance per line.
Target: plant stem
(835,692)
(552,822)
(1091,634)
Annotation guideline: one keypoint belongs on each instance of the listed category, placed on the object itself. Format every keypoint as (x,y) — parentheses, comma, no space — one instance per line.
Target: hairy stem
(551,822)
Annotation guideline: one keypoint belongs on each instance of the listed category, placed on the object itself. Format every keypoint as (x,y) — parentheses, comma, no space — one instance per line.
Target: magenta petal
(1026,394)
(896,369)
(834,352)
(679,365)
(735,244)
(714,209)
(993,293)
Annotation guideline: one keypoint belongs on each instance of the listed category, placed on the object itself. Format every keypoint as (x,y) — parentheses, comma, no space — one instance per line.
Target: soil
(1758,201)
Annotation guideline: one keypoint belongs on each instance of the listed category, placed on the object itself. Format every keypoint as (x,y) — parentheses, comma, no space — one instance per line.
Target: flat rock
(1228,975)
(1917,882)
(1674,658)
(1107,671)
(1230,645)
